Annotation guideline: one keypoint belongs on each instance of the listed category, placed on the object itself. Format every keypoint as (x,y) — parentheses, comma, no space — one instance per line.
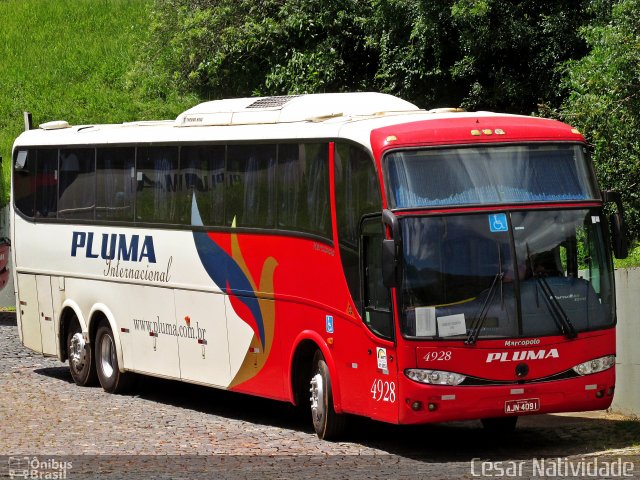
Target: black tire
(500,425)
(328,424)
(81,362)
(107,368)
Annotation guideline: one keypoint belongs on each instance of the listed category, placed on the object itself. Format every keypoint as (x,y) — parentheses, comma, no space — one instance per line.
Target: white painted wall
(627,397)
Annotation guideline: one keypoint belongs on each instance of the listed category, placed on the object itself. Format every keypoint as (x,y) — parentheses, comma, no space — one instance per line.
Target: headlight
(434,377)
(595,366)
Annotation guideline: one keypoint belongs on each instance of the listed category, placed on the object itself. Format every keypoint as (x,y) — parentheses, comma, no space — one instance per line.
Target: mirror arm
(609,196)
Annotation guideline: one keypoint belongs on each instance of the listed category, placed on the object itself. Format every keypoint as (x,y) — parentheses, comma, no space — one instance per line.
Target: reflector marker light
(475,133)
(391,138)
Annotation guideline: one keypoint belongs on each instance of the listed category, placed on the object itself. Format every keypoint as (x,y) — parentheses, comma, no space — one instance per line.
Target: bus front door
(378,318)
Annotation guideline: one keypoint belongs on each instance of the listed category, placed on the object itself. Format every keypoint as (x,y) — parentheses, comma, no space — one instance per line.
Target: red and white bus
(381,260)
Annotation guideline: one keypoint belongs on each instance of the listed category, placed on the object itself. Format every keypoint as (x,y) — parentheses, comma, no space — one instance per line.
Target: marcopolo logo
(136,252)
(521,355)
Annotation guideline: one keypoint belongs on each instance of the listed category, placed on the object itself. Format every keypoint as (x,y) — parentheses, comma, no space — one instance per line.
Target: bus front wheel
(328,424)
(109,374)
(81,363)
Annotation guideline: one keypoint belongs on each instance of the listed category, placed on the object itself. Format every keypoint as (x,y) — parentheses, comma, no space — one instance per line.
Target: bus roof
(330,115)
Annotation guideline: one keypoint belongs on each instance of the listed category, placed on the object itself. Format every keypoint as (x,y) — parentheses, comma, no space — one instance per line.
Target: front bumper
(447,403)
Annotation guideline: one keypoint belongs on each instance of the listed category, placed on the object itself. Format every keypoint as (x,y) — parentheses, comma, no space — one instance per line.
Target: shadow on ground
(536,436)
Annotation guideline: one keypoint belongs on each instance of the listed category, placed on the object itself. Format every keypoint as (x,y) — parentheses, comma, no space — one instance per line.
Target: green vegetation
(487,54)
(604,103)
(72,61)
(633,260)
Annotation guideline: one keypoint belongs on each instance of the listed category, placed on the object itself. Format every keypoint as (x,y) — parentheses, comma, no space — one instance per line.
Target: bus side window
(159,186)
(303,188)
(250,194)
(357,194)
(24,181)
(376,297)
(76,186)
(115,183)
(47,184)
(202,169)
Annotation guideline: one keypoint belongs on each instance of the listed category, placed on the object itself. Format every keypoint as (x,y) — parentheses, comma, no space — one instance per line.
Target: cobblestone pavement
(175,430)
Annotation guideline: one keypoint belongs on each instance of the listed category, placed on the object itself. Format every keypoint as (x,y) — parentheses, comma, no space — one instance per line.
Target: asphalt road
(167,429)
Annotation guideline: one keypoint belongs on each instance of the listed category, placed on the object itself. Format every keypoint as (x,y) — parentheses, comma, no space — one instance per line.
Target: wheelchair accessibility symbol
(498,222)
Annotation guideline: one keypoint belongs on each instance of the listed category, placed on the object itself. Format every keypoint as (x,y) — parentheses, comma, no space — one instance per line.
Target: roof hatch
(294,108)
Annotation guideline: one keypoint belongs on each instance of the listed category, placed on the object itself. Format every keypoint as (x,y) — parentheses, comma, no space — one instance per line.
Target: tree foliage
(487,54)
(605,102)
(520,57)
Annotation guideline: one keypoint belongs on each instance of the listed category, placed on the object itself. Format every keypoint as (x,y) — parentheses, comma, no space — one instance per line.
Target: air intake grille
(271,102)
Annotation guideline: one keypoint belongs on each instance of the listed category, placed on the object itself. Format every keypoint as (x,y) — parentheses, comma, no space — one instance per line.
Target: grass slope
(72,60)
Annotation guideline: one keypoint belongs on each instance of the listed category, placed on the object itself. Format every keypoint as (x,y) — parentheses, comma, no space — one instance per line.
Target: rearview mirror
(389,264)
(391,251)
(620,245)
(618,238)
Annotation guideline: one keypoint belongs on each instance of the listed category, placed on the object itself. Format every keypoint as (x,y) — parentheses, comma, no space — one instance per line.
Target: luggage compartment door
(28,313)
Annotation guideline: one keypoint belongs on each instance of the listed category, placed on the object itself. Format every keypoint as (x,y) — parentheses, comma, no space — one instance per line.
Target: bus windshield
(506,274)
(488,175)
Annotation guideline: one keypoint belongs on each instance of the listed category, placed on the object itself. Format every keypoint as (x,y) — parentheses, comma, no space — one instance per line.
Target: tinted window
(77,188)
(303,188)
(270,186)
(161,196)
(376,297)
(487,175)
(47,184)
(357,194)
(24,181)
(115,183)
(250,197)
(202,169)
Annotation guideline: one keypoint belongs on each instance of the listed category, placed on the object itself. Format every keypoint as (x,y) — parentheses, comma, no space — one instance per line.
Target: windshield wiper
(557,312)
(477,324)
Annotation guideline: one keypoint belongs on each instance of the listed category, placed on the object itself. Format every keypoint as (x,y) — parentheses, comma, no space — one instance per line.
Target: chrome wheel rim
(317,396)
(77,351)
(107,356)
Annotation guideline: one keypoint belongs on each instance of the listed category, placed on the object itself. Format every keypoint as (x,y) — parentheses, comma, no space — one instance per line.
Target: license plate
(522,406)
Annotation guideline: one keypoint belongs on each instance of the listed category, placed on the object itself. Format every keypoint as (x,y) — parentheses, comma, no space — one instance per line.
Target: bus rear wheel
(108,370)
(328,424)
(81,362)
